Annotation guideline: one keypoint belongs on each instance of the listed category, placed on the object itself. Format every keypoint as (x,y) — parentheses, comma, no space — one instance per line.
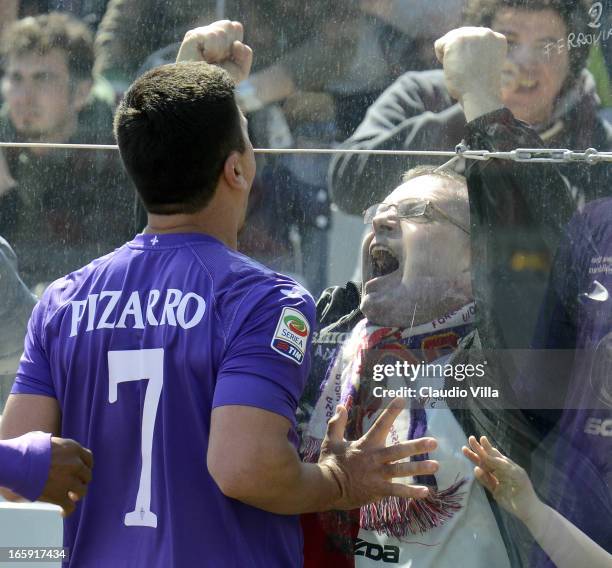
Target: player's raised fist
(219,43)
(473,59)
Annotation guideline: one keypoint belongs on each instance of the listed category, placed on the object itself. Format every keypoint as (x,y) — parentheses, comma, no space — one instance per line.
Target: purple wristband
(25,464)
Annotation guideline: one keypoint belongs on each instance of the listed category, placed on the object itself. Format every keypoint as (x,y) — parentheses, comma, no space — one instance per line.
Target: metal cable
(532,155)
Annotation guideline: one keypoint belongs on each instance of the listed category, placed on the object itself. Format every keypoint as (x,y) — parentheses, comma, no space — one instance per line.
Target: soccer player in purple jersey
(180,362)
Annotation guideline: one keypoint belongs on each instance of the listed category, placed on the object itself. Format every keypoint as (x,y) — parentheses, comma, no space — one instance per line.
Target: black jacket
(417,113)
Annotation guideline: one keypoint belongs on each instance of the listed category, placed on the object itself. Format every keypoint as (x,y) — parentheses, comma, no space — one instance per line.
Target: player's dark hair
(41,34)
(573,12)
(175,127)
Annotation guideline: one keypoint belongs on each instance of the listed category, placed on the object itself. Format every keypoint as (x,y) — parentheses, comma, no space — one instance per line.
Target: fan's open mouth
(383,261)
(526,85)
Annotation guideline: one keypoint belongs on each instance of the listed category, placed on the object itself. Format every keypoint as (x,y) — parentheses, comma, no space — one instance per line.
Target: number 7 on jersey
(140,365)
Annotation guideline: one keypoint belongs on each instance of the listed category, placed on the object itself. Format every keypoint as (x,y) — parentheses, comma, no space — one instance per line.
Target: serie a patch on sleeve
(291,335)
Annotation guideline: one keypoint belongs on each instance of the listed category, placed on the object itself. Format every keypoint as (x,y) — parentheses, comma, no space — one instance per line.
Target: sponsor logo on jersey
(598,427)
(296,325)
(291,335)
(379,553)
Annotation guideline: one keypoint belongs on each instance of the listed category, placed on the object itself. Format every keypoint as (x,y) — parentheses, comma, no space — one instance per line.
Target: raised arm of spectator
(414,113)
(220,43)
(417,112)
(473,59)
(566,545)
(509,201)
(307,67)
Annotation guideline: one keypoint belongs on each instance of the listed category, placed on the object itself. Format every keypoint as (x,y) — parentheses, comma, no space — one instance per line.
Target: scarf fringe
(399,517)
(310,450)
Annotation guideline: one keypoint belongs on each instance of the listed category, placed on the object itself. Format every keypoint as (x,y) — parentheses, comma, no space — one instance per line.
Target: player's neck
(163,224)
(221,218)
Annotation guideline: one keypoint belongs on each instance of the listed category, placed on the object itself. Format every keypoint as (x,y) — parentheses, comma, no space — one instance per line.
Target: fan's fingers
(488,480)
(484,441)
(472,456)
(407,491)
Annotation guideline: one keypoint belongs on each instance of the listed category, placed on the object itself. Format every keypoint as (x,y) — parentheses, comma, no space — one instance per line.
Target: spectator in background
(352,53)
(323,87)
(90,11)
(288,26)
(547,87)
(9,9)
(64,206)
(575,319)
(15,309)
(156,24)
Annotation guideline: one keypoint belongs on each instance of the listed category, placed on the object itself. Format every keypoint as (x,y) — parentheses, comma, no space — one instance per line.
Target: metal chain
(538,155)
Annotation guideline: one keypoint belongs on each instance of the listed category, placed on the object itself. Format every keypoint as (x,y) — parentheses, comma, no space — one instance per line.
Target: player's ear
(233,171)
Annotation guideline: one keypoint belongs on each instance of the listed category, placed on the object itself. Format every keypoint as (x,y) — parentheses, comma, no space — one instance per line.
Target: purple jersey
(138,347)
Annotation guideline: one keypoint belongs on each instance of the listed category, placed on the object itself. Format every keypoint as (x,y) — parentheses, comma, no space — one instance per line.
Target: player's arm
(258,385)
(58,471)
(27,413)
(251,460)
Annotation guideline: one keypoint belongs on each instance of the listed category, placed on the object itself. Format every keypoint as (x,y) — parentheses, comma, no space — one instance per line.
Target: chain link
(537,155)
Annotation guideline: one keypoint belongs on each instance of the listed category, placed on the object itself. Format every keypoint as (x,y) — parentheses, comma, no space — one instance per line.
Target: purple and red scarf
(348,380)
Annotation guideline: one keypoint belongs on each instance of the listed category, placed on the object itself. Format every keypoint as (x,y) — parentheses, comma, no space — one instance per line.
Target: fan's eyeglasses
(410,209)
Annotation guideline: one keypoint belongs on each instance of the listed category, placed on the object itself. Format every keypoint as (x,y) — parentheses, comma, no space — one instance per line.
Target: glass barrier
(472,283)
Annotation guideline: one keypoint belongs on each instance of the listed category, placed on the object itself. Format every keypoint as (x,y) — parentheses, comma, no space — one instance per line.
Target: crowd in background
(319,66)
(361,74)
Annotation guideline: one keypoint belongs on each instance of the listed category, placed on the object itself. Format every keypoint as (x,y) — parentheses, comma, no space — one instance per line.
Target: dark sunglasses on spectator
(410,209)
